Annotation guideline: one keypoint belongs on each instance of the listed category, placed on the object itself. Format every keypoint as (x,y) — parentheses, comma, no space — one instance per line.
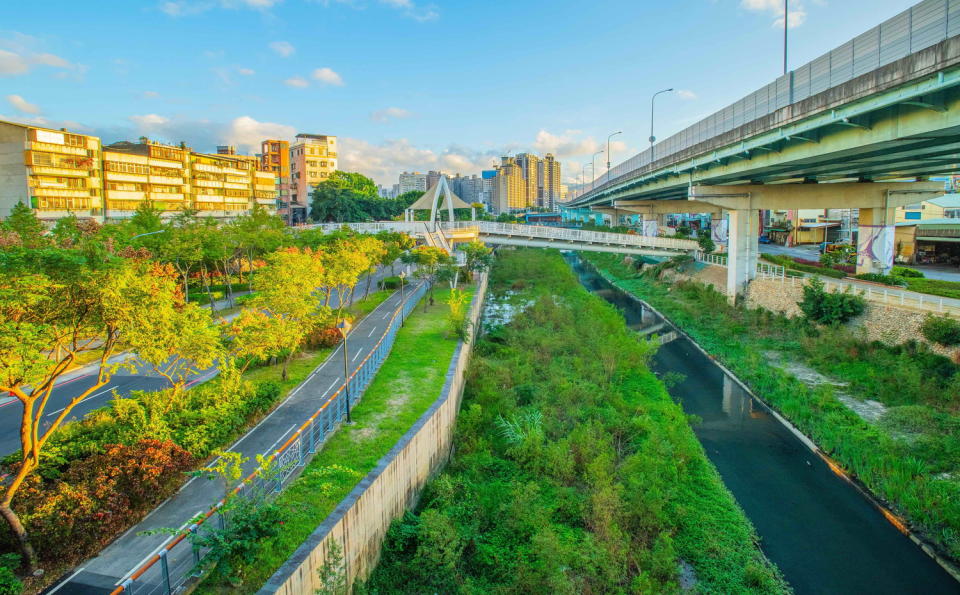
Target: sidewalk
(118,560)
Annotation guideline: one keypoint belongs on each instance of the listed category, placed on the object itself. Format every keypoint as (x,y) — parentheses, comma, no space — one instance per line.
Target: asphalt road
(118,560)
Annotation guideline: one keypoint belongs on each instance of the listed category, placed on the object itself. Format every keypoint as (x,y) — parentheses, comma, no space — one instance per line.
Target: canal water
(819,529)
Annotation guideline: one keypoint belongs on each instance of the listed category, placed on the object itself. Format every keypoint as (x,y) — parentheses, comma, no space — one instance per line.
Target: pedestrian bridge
(536,236)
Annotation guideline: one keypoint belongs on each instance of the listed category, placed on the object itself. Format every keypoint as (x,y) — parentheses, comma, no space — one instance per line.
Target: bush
(9,584)
(941,330)
(240,300)
(906,272)
(201,297)
(885,279)
(806,266)
(843,255)
(323,338)
(265,394)
(829,308)
(706,241)
(392,283)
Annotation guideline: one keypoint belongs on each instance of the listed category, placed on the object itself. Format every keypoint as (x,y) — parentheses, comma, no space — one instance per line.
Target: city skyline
(401,100)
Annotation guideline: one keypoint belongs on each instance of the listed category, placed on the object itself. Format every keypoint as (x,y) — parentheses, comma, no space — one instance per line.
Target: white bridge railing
(764,269)
(493,229)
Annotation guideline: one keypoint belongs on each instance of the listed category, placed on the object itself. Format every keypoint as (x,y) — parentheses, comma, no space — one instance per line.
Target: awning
(818,225)
(937,239)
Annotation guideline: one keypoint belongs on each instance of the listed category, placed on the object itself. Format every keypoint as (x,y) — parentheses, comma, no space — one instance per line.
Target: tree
(429,261)
(356,182)
(287,293)
(832,308)
(50,317)
(479,256)
(24,222)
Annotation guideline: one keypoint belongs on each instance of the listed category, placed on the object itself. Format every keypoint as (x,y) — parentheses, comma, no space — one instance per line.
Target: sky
(406,84)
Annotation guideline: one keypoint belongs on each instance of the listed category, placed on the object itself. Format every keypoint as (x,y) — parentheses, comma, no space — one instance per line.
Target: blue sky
(405,84)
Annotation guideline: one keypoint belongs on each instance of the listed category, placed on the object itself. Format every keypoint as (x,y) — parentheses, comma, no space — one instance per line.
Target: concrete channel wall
(359,523)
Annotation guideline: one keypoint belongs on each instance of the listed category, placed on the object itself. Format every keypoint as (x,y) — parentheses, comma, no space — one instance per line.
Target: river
(818,528)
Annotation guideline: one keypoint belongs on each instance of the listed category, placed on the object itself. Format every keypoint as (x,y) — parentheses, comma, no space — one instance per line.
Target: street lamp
(583,178)
(786,18)
(593,165)
(344,327)
(608,151)
(653,139)
(149,233)
(403,277)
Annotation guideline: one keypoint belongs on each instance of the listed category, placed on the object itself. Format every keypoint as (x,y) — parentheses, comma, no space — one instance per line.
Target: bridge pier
(875,240)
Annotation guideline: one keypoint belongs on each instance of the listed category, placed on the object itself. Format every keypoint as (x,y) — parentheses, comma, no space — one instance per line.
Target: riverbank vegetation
(573,472)
(408,382)
(908,456)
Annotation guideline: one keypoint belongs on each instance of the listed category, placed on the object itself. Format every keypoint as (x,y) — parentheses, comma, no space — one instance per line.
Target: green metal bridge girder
(907,132)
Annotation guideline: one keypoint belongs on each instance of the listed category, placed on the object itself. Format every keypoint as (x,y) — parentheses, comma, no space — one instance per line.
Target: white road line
(67,580)
(373,330)
(332,384)
(356,355)
(159,547)
(55,412)
(267,452)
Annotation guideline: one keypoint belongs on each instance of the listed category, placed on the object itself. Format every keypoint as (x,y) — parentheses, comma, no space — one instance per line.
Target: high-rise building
(548,182)
(226,150)
(313,157)
(275,158)
(470,189)
(529,165)
(55,172)
(510,187)
(433,177)
(410,181)
(488,179)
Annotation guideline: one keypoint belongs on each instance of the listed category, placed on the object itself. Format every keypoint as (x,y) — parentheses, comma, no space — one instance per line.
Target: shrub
(266,393)
(885,279)
(706,241)
(683,232)
(829,308)
(9,584)
(843,255)
(324,337)
(941,330)
(240,300)
(392,283)
(906,272)
(201,297)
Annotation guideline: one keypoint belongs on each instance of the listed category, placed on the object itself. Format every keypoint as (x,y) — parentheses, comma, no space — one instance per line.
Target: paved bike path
(119,559)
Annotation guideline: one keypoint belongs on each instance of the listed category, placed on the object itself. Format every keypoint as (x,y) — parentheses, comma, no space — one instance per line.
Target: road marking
(67,580)
(158,548)
(373,330)
(356,355)
(332,384)
(267,452)
(55,412)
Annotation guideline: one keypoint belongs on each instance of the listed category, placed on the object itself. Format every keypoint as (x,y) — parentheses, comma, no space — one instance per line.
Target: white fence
(764,269)
(882,295)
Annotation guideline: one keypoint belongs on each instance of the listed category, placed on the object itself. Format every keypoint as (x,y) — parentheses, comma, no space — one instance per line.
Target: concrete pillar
(718,230)
(875,240)
(648,225)
(741,250)
(753,245)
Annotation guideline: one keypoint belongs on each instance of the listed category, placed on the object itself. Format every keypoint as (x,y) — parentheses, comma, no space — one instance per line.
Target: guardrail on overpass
(919,27)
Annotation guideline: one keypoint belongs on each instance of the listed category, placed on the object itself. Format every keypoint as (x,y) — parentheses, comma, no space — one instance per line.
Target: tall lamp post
(653,139)
(403,280)
(344,327)
(608,151)
(786,19)
(583,178)
(593,166)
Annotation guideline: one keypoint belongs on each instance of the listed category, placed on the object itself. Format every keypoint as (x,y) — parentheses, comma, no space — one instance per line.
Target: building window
(58,203)
(127,168)
(912,215)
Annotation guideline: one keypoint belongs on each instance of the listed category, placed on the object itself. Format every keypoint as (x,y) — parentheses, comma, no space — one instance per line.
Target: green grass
(910,458)
(408,382)
(574,470)
(950,289)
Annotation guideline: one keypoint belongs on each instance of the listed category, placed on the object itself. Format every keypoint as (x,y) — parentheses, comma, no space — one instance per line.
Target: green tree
(24,222)
(47,320)
(830,308)
(479,256)
(430,261)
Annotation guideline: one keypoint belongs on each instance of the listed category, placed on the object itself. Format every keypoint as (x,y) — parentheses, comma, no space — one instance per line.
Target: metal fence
(921,26)
(764,269)
(168,570)
(888,296)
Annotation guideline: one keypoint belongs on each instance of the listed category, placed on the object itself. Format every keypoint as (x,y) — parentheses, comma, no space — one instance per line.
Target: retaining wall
(359,523)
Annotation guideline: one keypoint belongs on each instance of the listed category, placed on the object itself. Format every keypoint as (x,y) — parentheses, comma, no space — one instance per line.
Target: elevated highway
(863,126)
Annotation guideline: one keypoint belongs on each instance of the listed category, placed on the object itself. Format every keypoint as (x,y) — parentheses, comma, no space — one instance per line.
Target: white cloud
(327,76)
(297,81)
(390,113)
(797,15)
(413,10)
(22,105)
(686,94)
(12,64)
(282,48)
(246,71)
(150,95)
(180,8)
(149,121)
(247,133)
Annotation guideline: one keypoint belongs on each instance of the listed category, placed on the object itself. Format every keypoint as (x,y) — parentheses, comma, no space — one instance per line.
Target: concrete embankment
(358,524)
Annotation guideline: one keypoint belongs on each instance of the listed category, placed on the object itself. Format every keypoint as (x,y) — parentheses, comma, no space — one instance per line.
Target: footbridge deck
(536,236)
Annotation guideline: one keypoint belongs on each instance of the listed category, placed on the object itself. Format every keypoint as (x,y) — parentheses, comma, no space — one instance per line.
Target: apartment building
(275,158)
(529,165)
(138,172)
(411,181)
(56,172)
(313,157)
(510,187)
(549,189)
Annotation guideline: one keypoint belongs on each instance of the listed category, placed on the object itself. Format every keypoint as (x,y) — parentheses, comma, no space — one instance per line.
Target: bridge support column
(741,251)
(875,240)
(649,225)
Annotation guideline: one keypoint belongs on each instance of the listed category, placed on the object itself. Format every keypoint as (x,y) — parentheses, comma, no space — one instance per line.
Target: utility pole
(653,139)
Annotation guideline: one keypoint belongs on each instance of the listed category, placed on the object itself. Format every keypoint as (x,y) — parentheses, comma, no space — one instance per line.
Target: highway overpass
(863,126)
